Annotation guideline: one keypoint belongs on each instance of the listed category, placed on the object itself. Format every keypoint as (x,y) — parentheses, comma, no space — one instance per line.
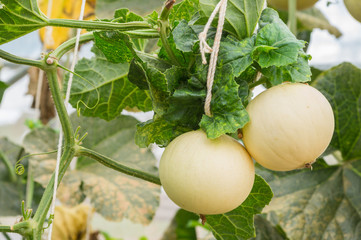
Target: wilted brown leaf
(47,109)
(71,223)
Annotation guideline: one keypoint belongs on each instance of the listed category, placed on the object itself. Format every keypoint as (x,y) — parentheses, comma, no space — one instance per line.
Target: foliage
(108,190)
(24,13)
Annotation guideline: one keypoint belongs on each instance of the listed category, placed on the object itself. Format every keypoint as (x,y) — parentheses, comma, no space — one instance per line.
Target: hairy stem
(164,28)
(19,60)
(6,236)
(67,154)
(98,25)
(108,162)
(29,188)
(70,44)
(292,17)
(9,167)
(6,229)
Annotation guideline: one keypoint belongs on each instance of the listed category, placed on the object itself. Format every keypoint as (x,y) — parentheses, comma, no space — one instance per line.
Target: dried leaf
(71,223)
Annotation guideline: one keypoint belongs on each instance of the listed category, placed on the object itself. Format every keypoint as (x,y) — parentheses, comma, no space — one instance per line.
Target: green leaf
(114,195)
(186,107)
(275,44)
(184,37)
(238,223)
(115,46)
(321,204)
(236,53)
(183,11)
(241,17)
(179,228)
(137,75)
(106,90)
(158,87)
(299,71)
(19,17)
(123,15)
(341,85)
(228,112)
(159,131)
(3,87)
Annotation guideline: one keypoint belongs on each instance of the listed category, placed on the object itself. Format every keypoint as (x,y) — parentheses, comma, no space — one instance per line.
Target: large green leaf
(105,90)
(113,194)
(115,46)
(275,44)
(238,223)
(236,53)
(228,112)
(183,11)
(299,71)
(184,37)
(241,16)
(158,131)
(341,85)
(19,17)
(321,204)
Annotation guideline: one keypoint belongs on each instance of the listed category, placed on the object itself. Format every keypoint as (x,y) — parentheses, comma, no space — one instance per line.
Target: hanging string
(48,39)
(205,48)
(58,157)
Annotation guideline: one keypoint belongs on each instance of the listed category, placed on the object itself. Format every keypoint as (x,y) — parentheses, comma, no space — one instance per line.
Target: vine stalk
(164,29)
(292,16)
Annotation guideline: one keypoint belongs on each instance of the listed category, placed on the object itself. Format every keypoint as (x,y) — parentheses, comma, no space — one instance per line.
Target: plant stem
(146,33)
(164,27)
(259,82)
(6,236)
(58,99)
(67,155)
(70,44)
(98,25)
(108,162)
(29,188)
(19,60)
(6,229)
(9,166)
(292,16)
